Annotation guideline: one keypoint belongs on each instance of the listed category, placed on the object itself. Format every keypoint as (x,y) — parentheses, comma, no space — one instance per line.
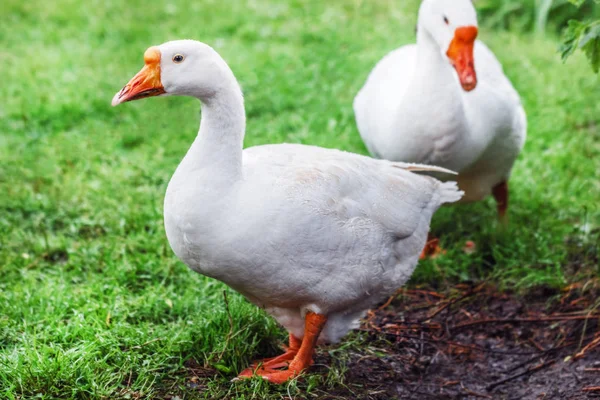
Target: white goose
(413,109)
(315,236)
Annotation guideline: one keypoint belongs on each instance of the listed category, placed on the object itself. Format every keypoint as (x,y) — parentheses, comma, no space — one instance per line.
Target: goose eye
(446,20)
(177,58)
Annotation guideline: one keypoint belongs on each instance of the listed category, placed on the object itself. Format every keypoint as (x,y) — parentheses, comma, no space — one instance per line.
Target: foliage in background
(581,24)
(533,15)
(584,35)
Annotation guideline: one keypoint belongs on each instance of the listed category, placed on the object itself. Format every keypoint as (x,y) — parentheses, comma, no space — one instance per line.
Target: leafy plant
(584,35)
(533,15)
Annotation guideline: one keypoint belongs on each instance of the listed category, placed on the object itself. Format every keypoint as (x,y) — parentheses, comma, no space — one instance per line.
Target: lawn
(93,304)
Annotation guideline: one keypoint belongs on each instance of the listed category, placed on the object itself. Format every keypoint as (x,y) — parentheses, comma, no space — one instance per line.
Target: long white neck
(219,143)
(433,105)
(433,95)
(433,72)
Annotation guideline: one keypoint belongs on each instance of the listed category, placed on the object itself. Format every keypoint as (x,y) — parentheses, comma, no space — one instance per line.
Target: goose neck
(431,61)
(218,146)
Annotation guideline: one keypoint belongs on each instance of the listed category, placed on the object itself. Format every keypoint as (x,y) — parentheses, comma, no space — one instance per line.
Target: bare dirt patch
(475,342)
(471,342)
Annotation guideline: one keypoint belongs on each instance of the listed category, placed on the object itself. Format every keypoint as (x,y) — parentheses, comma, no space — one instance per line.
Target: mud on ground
(471,342)
(477,343)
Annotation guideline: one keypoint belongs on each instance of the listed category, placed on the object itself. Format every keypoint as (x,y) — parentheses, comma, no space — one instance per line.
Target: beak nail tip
(116,100)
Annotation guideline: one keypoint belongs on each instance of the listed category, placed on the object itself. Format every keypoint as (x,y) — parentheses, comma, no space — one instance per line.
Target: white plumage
(305,228)
(412,107)
(293,228)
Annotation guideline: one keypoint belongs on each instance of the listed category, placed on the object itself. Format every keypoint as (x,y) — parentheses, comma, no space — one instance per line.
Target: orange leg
(432,248)
(500,193)
(282,360)
(313,325)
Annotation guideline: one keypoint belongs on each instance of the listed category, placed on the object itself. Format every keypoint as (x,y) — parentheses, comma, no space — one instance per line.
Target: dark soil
(478,343)
(472,342)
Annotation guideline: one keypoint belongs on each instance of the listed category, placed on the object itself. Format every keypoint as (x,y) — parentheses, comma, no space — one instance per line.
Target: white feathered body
(413,109)
(305,229)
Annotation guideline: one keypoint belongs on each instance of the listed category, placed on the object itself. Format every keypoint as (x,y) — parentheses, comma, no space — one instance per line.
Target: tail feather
(423,168)
(449,192)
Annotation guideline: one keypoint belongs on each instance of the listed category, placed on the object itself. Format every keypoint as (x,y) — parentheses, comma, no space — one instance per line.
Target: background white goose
(445,101)
(315,236)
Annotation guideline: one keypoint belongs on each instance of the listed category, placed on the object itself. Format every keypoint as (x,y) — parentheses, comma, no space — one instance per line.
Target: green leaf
(584,36)
(591,32)
(590,44)
(572,36)
(578,3)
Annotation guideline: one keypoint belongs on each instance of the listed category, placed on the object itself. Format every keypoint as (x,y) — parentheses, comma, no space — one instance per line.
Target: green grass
(93,304)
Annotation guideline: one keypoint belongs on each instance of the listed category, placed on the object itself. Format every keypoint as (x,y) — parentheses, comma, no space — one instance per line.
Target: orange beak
(460,54)
(145,83)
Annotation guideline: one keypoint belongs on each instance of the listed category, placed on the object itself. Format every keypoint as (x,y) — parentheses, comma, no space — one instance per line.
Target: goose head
(181,67)
(453,26)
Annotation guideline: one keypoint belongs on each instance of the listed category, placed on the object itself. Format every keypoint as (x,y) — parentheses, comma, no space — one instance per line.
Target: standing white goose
(315,236)
(413,109)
